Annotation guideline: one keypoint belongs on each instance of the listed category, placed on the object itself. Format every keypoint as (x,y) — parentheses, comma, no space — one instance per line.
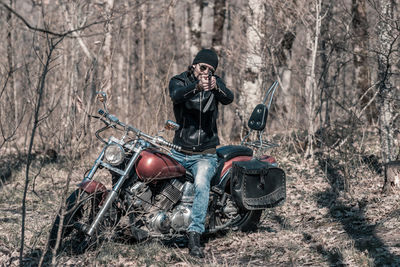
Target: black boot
(195,249)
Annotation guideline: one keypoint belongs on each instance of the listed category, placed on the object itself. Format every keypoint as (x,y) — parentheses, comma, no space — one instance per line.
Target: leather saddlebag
(257,185)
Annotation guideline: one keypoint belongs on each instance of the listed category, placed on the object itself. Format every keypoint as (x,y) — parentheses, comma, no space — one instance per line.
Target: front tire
(81,209)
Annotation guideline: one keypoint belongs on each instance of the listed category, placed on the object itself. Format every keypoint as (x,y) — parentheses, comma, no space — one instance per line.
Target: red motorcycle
(152,194)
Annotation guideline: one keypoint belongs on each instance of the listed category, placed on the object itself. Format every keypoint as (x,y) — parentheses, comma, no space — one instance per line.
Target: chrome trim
(114,192)
(110,167)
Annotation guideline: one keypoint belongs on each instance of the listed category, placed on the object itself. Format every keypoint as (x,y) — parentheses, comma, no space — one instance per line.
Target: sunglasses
(204,68)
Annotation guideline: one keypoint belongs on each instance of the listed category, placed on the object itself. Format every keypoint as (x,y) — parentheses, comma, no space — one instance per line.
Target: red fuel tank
(155,165)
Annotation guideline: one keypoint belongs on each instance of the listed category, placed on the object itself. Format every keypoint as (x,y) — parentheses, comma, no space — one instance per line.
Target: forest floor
(335,215)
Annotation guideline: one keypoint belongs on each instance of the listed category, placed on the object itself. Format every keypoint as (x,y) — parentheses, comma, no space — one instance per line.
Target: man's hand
(205,84)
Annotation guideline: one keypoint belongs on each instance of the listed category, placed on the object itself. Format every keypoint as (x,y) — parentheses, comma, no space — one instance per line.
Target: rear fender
(228,164)
(269,159)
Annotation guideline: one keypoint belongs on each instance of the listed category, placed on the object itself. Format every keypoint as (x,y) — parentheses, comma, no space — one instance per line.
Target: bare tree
(253,80)
(313,36)
(194,26)
(325,102)
(219,22)
(360,58)
(10,60)
(389,36)
(108,48)
(10,102)
(52,44)
(280,32)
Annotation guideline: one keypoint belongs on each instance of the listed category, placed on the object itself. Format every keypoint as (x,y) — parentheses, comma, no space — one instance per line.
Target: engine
(167,207)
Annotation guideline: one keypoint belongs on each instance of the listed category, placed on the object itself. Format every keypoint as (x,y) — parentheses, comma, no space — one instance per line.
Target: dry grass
(321,223)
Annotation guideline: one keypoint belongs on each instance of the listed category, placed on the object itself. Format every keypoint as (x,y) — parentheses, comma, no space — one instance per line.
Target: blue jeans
(203,167)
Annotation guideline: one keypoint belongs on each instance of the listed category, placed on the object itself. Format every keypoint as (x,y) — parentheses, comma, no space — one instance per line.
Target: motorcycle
(152,194)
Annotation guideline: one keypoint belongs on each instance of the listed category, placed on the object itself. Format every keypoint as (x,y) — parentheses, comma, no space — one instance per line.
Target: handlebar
(153,139)
(161,141)
(109,116)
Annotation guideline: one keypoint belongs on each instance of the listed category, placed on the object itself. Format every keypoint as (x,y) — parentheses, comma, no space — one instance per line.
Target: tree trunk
(386,87)
(36,120)
(226,117)
(219,21)
(311,83)
(282,62)
(207,24)
(326,90)
(143,26)
(360,58)
(108,49)
(392,176)
(283,18)
(253,80)
(194,22)
(10,59)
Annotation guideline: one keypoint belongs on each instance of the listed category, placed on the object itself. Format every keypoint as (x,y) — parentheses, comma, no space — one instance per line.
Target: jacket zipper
(183,127)
(200,98)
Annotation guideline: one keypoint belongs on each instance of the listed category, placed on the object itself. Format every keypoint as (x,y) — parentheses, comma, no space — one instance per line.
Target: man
(196,94)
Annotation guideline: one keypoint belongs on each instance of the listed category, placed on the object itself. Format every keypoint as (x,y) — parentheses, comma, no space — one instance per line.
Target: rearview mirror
(102,97)
(171,125)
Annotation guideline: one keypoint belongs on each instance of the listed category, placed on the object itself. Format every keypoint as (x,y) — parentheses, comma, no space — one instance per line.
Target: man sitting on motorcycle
(196,94)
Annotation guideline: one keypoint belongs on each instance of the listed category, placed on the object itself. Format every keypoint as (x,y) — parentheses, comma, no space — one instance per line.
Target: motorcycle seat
(228,152)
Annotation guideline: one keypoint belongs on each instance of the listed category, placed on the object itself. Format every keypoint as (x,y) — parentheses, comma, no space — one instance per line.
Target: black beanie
(207,56)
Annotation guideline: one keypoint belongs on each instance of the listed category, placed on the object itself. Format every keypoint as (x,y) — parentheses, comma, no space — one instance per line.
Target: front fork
(114,192)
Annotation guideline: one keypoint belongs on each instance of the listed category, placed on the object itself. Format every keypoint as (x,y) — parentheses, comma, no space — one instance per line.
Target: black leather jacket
(197,111)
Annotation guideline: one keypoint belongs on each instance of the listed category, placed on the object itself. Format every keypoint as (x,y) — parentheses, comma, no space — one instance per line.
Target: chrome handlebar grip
(160,140)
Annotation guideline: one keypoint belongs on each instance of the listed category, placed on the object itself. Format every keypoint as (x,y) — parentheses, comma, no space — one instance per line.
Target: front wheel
(80,209)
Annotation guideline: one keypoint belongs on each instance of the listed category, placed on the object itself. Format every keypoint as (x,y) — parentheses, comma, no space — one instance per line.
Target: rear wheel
(249,220)
(230,215)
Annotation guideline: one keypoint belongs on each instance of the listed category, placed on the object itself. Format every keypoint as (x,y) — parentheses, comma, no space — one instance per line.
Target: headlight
(114,154)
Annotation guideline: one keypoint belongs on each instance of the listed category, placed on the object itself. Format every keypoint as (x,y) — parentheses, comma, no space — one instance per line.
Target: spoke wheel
(230,216)
(81,210)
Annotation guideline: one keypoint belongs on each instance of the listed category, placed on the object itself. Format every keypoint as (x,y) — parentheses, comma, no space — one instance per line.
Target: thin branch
(40,91)
(49,32)
(5,84)
(370,101)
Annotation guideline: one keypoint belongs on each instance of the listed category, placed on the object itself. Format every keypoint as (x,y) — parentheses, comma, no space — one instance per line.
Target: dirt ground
(332,216)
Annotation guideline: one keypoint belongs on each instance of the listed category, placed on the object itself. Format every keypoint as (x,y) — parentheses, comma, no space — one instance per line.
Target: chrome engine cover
(180,218)
(161,216)
(141,195)
(160,222)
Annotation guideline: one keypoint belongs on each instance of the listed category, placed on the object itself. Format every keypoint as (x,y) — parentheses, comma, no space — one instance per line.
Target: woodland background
(337,106)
